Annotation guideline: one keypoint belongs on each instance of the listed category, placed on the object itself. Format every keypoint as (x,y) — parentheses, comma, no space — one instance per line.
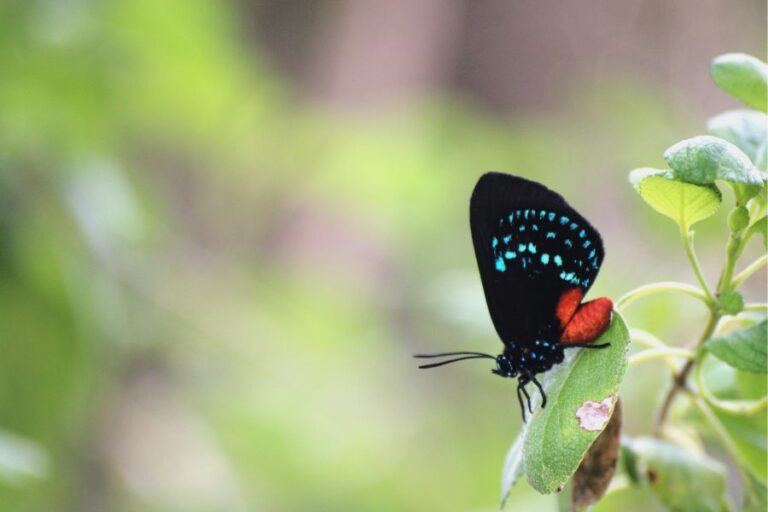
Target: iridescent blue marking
(510,255)
(524,262)
(534,227)
(494,242)
(564,220)
(545,344)
(512,218)
(532,248)
(542,214)
(568,243)
(521,248)
(551,216)
(582,234)
(534,355)
(566,276)
(522,227)
(551,234)
(558,260)
(526,214)
(545,258)
(500,265)
(586,244)
(574,226)
(507,239)
(591,254)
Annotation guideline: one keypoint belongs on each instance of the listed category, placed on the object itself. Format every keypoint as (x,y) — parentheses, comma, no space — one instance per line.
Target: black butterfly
(537,258)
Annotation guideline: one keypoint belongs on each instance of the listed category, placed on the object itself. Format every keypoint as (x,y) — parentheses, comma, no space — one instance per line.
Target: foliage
(672,467)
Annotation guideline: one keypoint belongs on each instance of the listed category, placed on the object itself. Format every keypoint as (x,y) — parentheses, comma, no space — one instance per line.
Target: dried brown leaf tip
(599,464)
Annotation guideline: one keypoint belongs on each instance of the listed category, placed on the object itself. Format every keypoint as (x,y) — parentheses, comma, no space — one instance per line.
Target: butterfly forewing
(530,246)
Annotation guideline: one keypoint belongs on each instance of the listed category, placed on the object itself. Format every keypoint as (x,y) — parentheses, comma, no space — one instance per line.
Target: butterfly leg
(520,400)
(521,385)
(521,391)
(586,345)
(541,390)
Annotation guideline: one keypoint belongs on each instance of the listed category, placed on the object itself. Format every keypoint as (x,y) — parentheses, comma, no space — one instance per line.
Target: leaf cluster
(557,454)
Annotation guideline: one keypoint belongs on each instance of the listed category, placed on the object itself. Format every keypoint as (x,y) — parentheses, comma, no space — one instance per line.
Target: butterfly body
(537,259)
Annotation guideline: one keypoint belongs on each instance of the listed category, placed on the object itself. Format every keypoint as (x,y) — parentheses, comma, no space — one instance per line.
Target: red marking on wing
(589,321)
(566,306)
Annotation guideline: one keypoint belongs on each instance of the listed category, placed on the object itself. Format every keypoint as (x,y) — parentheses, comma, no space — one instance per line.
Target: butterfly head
(504,367)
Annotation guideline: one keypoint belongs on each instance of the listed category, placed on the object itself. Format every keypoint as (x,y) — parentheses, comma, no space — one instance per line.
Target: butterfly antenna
(426,356)
(475,355)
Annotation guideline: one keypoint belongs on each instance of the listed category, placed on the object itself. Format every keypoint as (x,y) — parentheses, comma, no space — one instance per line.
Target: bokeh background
(226,226)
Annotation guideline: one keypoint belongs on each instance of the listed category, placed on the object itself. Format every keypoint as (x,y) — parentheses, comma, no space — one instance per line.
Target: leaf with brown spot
(599,464)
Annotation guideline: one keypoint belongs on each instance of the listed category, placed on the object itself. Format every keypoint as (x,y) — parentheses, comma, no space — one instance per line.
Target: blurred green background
(226,226)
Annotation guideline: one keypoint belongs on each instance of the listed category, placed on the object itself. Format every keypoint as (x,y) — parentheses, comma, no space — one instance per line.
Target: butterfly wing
(531,247)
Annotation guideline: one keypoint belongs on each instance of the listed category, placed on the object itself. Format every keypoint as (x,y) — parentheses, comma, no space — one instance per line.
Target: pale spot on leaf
(593,416)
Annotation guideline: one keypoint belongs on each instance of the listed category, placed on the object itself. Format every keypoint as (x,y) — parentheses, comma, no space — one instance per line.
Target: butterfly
(537,258)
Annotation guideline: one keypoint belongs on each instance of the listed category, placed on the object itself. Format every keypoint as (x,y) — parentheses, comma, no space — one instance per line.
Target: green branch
(751,269)
(663,287)
(691,253)
(659,353)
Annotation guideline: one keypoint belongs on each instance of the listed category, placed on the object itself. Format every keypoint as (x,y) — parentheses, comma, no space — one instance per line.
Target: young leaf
(746,129)
(744,77)
(684,203)
(596,470)
(744,349)
(731,301)
(636,176)
(704,159)
(682,480)
(582,394)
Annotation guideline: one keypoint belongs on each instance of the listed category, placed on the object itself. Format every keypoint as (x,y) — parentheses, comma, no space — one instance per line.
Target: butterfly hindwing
(531,247)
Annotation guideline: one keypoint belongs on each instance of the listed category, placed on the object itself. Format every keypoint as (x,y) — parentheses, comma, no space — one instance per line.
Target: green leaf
(744,77)
(582,391)
(748,434)
(682,202)
(755,494)
(731,301)
(636,176)
(746,129)
(683,480)
(704,159)
(744,349)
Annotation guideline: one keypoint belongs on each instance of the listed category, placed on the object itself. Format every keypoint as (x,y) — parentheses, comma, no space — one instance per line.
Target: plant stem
(645,338)
(757,306)
(662,287)
(751,269)
(689,250)
(680,378)
(659,353)
(735,246)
